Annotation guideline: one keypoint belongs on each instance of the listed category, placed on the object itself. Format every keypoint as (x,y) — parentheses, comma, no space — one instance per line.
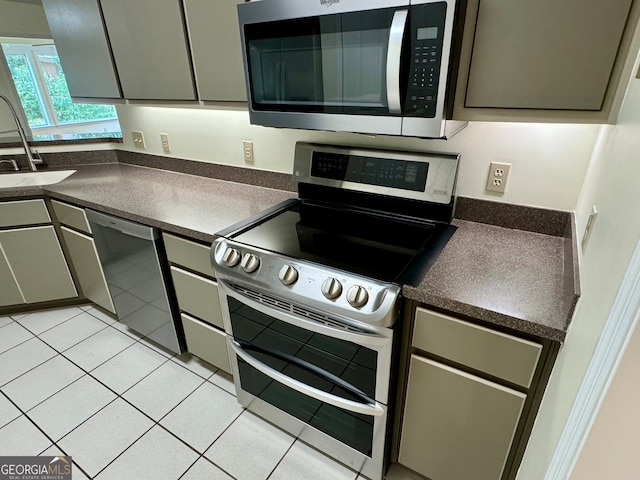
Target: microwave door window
(333,63)
(285,72)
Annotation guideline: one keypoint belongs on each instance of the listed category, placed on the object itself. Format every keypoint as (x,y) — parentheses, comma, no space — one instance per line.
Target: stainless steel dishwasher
(131,260)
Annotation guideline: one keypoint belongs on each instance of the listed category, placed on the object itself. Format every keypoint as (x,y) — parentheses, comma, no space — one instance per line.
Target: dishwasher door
(130,258)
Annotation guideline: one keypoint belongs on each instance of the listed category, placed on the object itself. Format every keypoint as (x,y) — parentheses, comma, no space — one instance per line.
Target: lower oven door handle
(309,367)
(366,409)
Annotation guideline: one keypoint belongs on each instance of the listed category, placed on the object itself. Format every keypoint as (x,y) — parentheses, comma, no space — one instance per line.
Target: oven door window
(329,64)
(337,367)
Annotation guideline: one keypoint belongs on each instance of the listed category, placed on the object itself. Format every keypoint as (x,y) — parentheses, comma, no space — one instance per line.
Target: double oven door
(316,377)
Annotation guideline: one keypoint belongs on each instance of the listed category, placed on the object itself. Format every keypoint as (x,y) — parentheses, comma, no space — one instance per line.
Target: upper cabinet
(543,60)
(150,48)
(83,48)
(217,53)
(520,60)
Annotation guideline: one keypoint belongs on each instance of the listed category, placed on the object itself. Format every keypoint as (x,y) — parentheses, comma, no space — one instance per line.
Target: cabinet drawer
(23,212)
(504,356)
(197,296)
(71,216)
(191,255)
(206,342)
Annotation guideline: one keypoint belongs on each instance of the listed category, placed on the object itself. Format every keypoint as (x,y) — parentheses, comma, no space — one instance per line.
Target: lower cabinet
(37,264)
(84,257)
(467,393)
(10,293)
(457,426)
(197,295)
(82,254)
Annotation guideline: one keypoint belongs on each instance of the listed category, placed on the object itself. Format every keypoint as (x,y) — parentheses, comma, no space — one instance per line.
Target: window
(42,88)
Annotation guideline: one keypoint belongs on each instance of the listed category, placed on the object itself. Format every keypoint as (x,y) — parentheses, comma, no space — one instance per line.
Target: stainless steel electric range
(311,291)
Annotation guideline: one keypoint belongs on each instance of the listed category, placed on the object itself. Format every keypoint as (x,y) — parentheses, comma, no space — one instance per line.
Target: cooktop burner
(365,223)
(373,245)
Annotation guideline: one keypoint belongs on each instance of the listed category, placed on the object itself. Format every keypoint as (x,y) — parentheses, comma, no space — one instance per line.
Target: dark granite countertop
(188,205)
(513,278)
(521,280)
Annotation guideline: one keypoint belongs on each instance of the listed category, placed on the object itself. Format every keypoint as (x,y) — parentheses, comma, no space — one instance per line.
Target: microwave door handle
(349,405)
(396,35)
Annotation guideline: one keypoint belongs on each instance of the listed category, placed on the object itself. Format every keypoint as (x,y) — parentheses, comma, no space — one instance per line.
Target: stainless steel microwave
(367,66)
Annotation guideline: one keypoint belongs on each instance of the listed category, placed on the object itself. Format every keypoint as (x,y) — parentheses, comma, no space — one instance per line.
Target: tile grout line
(54,443)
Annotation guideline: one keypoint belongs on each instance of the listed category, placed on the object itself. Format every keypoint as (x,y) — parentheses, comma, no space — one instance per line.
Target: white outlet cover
(497,178)
(164,140)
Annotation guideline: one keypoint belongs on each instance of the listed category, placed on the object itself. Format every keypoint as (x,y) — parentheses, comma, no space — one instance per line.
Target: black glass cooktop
(384,247)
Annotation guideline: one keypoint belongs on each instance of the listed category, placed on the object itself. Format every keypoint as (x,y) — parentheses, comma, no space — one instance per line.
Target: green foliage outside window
(66,111)
(27,90)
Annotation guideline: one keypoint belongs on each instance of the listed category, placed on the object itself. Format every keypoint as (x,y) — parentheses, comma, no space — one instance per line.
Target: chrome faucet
(20,130)
(13,163)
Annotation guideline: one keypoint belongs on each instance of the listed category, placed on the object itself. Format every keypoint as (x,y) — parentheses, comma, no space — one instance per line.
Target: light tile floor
(75,382)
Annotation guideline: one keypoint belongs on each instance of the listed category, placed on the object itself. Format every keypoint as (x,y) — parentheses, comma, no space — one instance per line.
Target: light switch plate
(138,139)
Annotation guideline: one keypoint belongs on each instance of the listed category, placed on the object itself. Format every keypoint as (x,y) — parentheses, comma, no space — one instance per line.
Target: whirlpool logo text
(328,3)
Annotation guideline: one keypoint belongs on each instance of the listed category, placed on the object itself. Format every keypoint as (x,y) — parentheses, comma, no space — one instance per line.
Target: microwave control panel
(425,58)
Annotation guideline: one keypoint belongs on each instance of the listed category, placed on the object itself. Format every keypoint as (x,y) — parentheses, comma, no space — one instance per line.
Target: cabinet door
(84,257)
(38,263)
(81,41)
(217,53)
(456,426)
(9,292)
(149,44)
(544,54)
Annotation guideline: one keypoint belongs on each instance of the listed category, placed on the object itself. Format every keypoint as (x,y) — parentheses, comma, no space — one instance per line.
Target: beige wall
(611,449)
(549,161)
(611,184)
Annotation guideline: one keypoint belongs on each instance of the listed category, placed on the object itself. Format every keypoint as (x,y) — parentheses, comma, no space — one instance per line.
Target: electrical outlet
(247,147)
(138,139)
(498,174)
(164,139)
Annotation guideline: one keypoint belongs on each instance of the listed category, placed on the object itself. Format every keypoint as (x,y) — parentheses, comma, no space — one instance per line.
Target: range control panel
(427,31)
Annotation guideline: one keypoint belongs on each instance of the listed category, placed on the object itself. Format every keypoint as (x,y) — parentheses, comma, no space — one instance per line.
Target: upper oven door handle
(372,340)
(366,409)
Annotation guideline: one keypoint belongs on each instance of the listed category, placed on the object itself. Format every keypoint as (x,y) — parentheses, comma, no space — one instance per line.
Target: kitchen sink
(32,179)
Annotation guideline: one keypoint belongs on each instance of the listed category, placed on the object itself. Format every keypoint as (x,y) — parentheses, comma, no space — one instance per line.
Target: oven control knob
(288,275)
(231,257)
(357,296)
(250,263)
(331,288)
